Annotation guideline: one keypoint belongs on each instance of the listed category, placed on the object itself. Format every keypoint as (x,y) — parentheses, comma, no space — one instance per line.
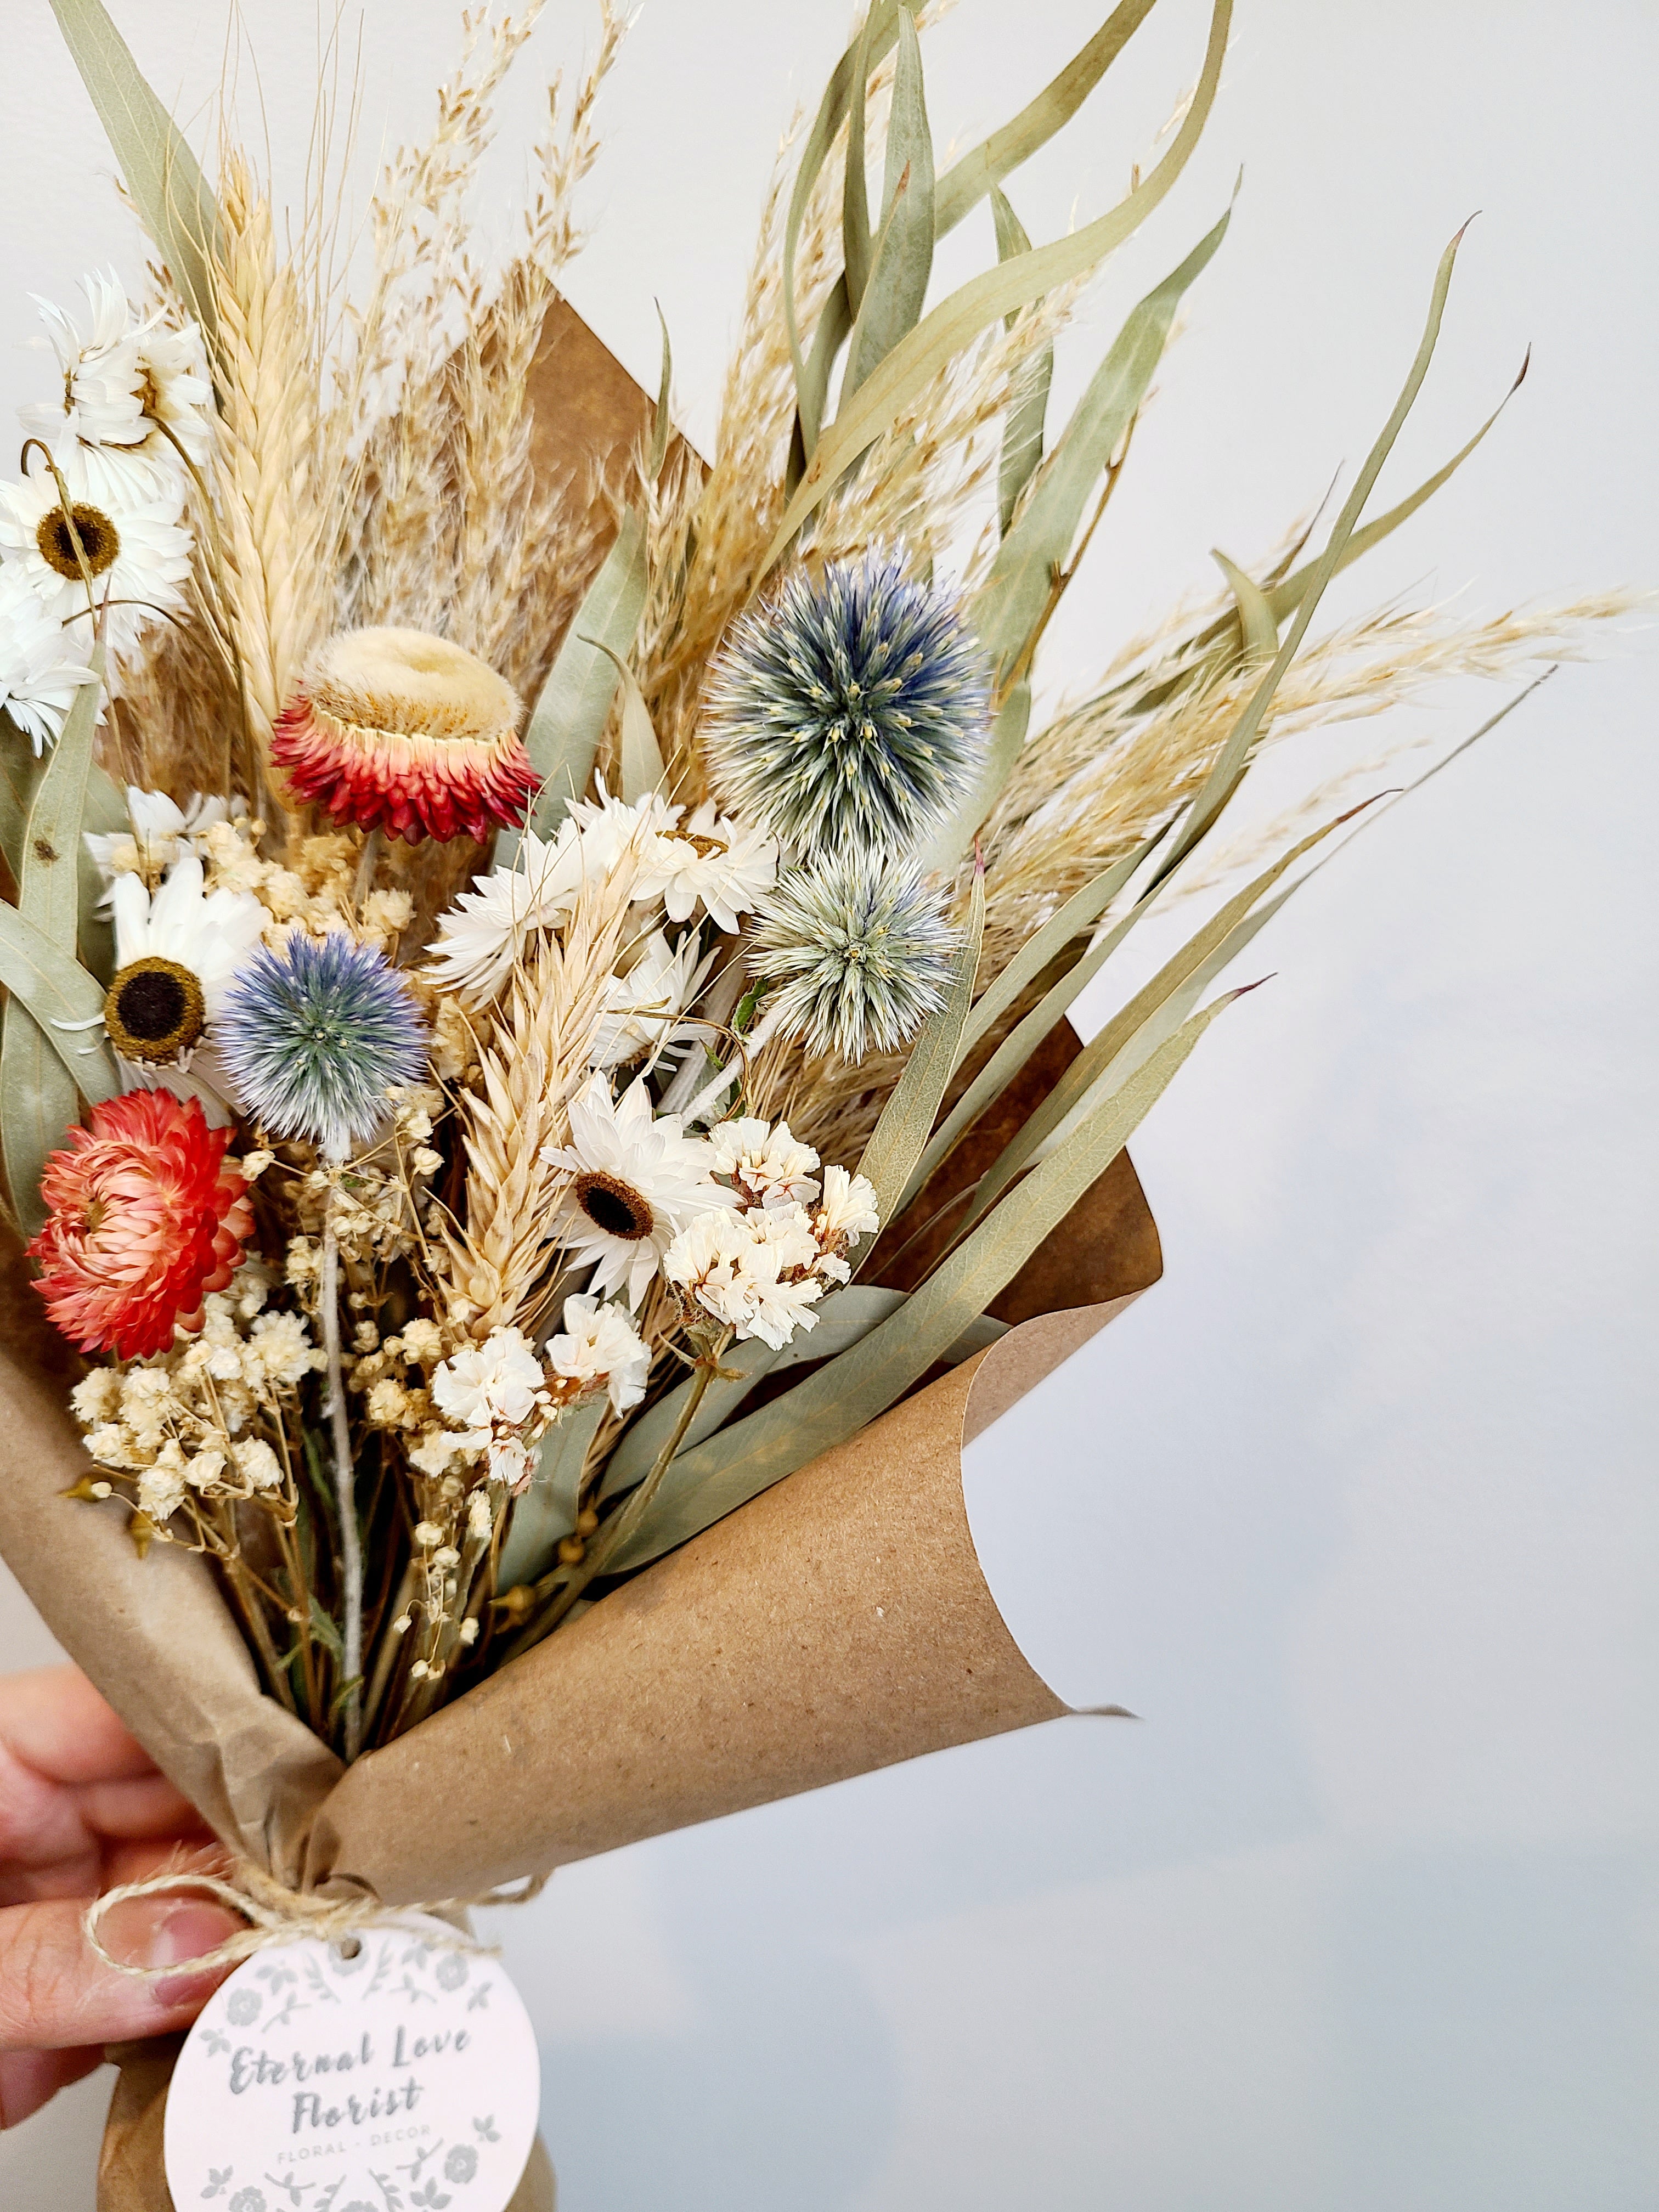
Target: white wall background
(1358,1509)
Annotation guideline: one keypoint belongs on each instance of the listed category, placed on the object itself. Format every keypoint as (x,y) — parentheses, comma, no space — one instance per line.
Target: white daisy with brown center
(393,730)
(635,1179)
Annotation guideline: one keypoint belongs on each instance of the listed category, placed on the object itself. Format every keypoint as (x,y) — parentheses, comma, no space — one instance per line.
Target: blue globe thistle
(313,1036)
(861,951)
(850,715)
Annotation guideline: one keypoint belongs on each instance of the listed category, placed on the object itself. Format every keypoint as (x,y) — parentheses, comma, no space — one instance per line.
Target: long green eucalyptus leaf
(546,1510)
(1080,912)
(641,768)
(173,198)
(957,321)
(1234,756)
(955,832)
(870,45)
(562,739)
(837,1399)
(966,182)
(900,1136)
(104,813)
(1017,594)
(65,1002)
(1027,405)
(891,301)
(21,770)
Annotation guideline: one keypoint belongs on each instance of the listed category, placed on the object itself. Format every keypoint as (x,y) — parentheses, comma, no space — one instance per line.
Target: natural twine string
(278,1914)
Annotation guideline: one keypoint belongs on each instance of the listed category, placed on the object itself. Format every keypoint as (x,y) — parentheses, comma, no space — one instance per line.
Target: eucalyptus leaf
(1234,756)
(1027,405)
(547,1510)
(899,1138)
(966,182)
(105,813)
(21,770)
(65,1002)
(562,739)
(957,321)
(641,768)
(835,325)
(955,832)
(892,299)
(837,1399)
(856,241)
(1018,593)
(173,198)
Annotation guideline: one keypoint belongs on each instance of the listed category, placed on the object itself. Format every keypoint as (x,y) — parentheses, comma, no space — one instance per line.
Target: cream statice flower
(122,380)
(752,1272)
(725,865)
(846,1212)
(598,1347)
(768,1166)
(634,1179)
(494,1394)
(177,951)
(642,1009)
(131,537)
(40,671)
(162,831)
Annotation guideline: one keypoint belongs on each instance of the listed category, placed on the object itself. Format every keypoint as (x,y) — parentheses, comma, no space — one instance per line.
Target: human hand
(82,1809)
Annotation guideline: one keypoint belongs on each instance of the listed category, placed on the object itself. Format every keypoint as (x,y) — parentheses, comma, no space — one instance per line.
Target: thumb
(55,1993)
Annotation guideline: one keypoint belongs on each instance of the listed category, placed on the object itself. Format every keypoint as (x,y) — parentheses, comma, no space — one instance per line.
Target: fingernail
(187,1931)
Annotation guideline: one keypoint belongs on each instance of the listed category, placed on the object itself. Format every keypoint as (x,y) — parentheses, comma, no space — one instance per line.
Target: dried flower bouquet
(536,994)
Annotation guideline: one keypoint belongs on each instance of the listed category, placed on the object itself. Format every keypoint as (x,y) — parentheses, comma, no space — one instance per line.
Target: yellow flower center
(154,1010)
(100,541)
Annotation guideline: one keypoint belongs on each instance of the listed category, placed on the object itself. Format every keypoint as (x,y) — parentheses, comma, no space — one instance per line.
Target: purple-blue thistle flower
(860,954)
(850,715)
(313,1036)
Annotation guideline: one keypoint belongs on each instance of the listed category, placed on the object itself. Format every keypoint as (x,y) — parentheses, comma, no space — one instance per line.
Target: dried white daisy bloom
(41,671)
(642,1009)
(122,380)
(724,865)
(599,1345)
(162,832)
(130,537)
(635,1177)
(768,1165)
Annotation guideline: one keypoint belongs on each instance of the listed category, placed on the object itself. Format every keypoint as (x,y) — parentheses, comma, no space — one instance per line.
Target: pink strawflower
(147,1217)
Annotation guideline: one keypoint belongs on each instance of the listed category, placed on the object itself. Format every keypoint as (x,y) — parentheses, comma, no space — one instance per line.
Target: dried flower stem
(351,1548)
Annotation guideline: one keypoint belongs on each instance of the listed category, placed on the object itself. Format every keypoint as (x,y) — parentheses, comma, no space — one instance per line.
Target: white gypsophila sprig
(40,671)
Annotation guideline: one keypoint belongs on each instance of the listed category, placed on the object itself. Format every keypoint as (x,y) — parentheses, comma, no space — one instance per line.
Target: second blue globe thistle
(850,715)
(859,954)
(314,1036)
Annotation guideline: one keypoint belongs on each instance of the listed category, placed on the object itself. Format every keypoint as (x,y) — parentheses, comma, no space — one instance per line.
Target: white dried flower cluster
(162,831)
(188,1420)
(599,1348)
(710,863)
(760,1270)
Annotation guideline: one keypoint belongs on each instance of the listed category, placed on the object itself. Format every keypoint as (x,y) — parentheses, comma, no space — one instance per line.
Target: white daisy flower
(161,832)
(40,671)
(121,379)
(132,540)
(769,1166)
(176,954)
(636,1178)
(726,865)
(610,827)
(642,1008)
(597,1345)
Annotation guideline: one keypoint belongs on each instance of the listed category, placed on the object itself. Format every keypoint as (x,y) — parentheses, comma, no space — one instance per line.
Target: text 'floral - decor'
(536,1100)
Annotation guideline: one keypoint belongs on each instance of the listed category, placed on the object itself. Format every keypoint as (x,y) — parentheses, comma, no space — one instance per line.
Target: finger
(55,1721)
(29,2079)
(55,1993)
(131,1859)
(142,1805)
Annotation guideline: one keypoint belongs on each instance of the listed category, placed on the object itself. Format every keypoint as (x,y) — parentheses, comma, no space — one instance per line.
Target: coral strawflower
(147,1217)
(393,730)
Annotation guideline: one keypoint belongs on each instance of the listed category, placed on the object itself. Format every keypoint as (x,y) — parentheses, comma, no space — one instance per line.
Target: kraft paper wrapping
(760,1660)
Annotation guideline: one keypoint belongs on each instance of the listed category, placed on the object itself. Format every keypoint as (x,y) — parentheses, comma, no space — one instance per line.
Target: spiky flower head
(850,712)
(313,1036)
(396,731)
(861,951)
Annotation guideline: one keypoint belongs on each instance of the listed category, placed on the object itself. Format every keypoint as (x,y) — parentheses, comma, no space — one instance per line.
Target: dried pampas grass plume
(393,730)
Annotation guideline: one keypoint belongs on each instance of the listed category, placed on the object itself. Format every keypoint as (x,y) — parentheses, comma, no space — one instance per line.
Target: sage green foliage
(41,1071)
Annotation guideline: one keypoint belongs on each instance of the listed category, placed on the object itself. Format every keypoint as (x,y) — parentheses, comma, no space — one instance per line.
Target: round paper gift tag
(404,2077)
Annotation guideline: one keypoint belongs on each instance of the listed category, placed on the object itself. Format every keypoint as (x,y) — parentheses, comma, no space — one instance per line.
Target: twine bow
(278,1914)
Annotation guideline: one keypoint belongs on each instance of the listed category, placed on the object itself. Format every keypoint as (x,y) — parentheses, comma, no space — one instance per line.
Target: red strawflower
(396,731)
(146,1219)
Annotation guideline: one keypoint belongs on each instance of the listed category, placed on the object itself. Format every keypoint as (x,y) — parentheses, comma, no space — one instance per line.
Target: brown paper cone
(758,1661)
